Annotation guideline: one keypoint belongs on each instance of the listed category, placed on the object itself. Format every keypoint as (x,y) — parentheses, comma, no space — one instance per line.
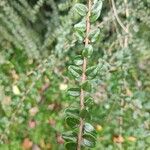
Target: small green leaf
(89,140)
(72,111)
(75,71)
(94,35)
(78,60)
(87,51)
(88,127)
(72,121)
(86,86)
(74,92)
(80,36)
(88,143)
(84,113)
(96,10)
(81,26)
(89,101)
(69,136)
(71,145)
(80,9)
(92,71)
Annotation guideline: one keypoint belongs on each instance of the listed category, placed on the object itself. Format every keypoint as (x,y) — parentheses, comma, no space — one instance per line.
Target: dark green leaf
(86,86)
(84,113)
(71,145)
(87,51)
(74,92)
(89,101)
(72,121)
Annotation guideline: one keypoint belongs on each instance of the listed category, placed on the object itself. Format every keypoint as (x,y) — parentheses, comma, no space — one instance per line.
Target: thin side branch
(83,79)
(117,17)
(127,25)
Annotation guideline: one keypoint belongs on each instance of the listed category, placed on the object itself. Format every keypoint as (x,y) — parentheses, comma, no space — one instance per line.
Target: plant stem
(117,17)
(83,79)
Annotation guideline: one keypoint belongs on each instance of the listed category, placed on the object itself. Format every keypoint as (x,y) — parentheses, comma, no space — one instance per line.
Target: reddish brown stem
(83,79)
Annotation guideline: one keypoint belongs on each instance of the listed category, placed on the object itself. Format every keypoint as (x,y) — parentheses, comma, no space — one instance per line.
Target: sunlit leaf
(75,71)
(88,127)
(89,140)
(16,90)
(131,139)
(81,26)
(96,10)
(94,35)
(80,36)
(78,60)
(80,9)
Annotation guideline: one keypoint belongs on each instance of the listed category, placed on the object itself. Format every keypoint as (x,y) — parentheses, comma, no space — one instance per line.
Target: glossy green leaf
(72,121)
(69,136)
(92,71)
(70,146)
(81,26)
(80,9)
(80,36)
(88,127)
(72,111)
(84,113)
(86,86)
(78,60)
(94,35)
(88,143)
(89,101)
(75,71)
(87,51)
(89,140)
(74,92)
(96,10)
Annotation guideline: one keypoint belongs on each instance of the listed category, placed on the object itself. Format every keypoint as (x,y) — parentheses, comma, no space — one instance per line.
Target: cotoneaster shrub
(78,115)
(39,39)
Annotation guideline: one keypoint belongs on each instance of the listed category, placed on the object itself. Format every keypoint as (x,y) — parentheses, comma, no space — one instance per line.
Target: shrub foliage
(105,44)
